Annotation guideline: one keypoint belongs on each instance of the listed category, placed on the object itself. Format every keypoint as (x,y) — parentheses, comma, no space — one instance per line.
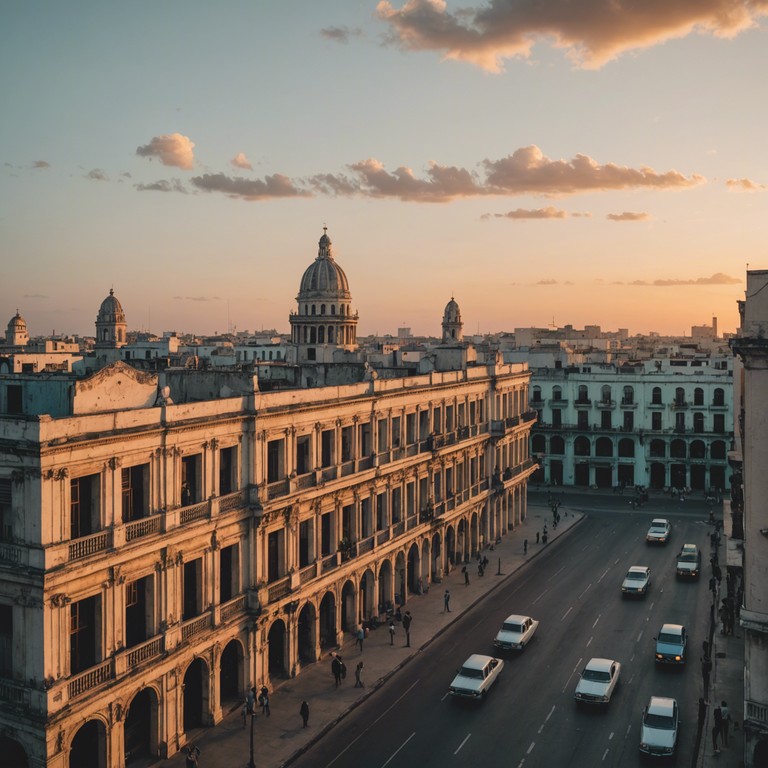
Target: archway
(276,644)
(658,475)
(385,585)
(328,621)
(306,634)
(412,575)
(366,603)
(400,572)
(13,753)
(450,546)
(195,695)
(462,542)
(231,686)
(348,612)
(89,746)
(141,727)
(437,560)
(424,571)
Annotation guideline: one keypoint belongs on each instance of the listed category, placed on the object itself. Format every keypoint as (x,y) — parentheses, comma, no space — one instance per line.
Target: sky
(592,162)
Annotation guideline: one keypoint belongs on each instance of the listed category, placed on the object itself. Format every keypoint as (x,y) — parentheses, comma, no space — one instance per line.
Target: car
(515,633)
(598,681)
(475,677)
(659,531)
(688,562)
(671,644)
(660,726)
(637,582)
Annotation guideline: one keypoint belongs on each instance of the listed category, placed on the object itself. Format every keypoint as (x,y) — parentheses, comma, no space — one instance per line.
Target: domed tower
(16,334)
(452,326)
(110,324)
(324,321)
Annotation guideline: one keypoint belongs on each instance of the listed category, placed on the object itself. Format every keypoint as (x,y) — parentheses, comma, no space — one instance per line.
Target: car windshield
(476,674)
(658,529)
(665,637)
(635,575)
(664,722)
(688,557)
(510,627)
(597,675)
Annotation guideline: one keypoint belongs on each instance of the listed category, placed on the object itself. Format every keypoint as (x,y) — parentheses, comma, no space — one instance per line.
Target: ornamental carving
(48,474)
(116,576)
(318,426)
(17,476)
(115,462)
(59,600)
(62,474)
(215,545)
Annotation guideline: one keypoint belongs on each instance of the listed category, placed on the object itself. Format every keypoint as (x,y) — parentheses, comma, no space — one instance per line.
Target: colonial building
(171,539)
(657,423)
(748,518)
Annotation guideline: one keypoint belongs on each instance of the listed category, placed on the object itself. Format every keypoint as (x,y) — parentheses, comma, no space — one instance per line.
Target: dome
(111,311)
(324,278)
(452,313)
(17,324)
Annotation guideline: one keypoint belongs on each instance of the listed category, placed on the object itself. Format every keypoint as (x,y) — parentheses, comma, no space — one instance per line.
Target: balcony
(90,678)
(678,405)
(582,402)
(557,402)
(90,545)
(628,404)
(199,511)
(151,649)
(235,607)
(145,526)
(196,626)
(605,405)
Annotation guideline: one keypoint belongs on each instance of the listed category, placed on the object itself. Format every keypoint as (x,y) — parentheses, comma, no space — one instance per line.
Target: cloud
(273,186)
(174,185)
(36,296)
(530,213)
(340,34)
(628,216)
(743,185)
(592,32)
(547,281)
(529,170)
(719,278)
(171,149)
(41,164)
(197,298)
(241,161)
(97,175)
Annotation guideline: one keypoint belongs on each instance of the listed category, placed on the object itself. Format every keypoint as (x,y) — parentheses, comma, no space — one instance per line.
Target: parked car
(598,681)
(515,633)
(671,644)
(637,582)
(688,562)
(659,531)
(476,676)
(660,726)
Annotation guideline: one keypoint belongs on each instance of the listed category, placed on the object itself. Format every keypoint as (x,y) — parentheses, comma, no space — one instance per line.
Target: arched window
(698,449)
(605,393)
(313,309)
(656,396)
(626,448)
(330,334)
(333,309)
(537,394)
(679,396)
(604,447)
(629,396)
(557,393)
(698,422)
(583,394)
(321,335)
(698,396)
(658,449)
(718,397)
(538,444)
(717,449)
(557,446)
(581,446)
(322,309)
(677,449)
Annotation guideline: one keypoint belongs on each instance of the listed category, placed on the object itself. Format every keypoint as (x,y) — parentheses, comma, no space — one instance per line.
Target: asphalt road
(530,718)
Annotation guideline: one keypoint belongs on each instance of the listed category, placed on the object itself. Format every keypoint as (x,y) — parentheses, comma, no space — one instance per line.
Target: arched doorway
(437,560)
(141,727)
(12,753)
(450,546)
(231,688)
(195,695)
(348,613)
(306,634)
(276,645)
(89,747)
(328,621)
(422,583)
(658,475)
(400,571)
(385,585)
(412,576)
(367,601)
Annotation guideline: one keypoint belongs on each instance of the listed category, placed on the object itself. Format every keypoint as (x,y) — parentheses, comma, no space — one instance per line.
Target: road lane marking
(530,749)
(611,736)
(640,635)
(460,745)
(596,620)
(551,712)
(585,591)
(539,597)
(578,664)
(603,575)
(556,573)
(629,728)
(566,613)
(589,642)
(605,754)
(399,748)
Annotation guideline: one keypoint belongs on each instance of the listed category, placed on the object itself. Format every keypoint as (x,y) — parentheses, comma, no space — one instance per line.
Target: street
(530,718)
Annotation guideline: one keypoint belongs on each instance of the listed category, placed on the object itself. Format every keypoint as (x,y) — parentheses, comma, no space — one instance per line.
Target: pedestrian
(447,602)
(359,675)
(725,721)
(706,668)
(360,636)
(193,753)
(717,729)
(264,699)
(723,612)
(407,619)
(250,701)
(480,570)
(525,546)
(391,633)
(245,711)
(544,539)
(537,537)
(304,712)
(466,576)
(702,715)
(336,668)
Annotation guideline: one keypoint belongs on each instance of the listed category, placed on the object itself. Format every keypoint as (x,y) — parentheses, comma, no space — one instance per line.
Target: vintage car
(659,728)
(659,531)
(637,582)
(598,681)
(671,644)
(475,676)
(688,562)
(515,633)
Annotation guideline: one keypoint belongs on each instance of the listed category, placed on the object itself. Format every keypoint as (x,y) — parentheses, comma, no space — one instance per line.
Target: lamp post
(251,764)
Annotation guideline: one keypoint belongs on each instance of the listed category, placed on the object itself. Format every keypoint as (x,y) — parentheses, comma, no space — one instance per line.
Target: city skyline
(600,170)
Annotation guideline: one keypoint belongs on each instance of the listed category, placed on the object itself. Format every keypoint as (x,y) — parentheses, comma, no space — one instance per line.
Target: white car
(515,633)
(659,531)
(688,562)
(476,676)
(637,581)
(598,681)
(658,732)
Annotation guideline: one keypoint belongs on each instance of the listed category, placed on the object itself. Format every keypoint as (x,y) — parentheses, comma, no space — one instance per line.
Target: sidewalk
(279,739)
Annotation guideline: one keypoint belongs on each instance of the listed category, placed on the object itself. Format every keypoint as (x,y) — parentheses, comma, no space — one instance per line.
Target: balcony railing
(89,679)
(231,501)
(196,626)
(90,545)
(756,712)
(278,488)
(10,554)
(605,404)
(366,545)
(234,607)
(145,526)
(144,652)
(197,511)
(328,563)
(14,693)
(279,589)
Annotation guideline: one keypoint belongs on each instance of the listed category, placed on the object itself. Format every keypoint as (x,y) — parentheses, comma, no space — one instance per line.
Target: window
(656,420)
(718,397)
(84,506)
(326,447)
(698,422)
(135,491)
(14,399)
(557,418)
(139,623)
(193,589)
(84,634)
(191,479)
(557,393)
(6,511)
(605,420)
(302,455)
(719,423)
(628,397)
(229,572)
(537,394)
(698,396)
(656,396)
(6,641)
(582,419)
(605,393)
(679,396)
(629,421)
(305,543)
(228,470)
(583,394)
(275,460)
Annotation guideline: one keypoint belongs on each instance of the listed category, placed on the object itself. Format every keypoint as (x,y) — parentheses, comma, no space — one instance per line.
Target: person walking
(725,721)
(447,602)
(192,758)
(717,729)
(407,619)
(359,675)
(304,712)
(360,637)
(391,633)
(336,668)
(264,700)
(466,575)
(537,537)
(525,546)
